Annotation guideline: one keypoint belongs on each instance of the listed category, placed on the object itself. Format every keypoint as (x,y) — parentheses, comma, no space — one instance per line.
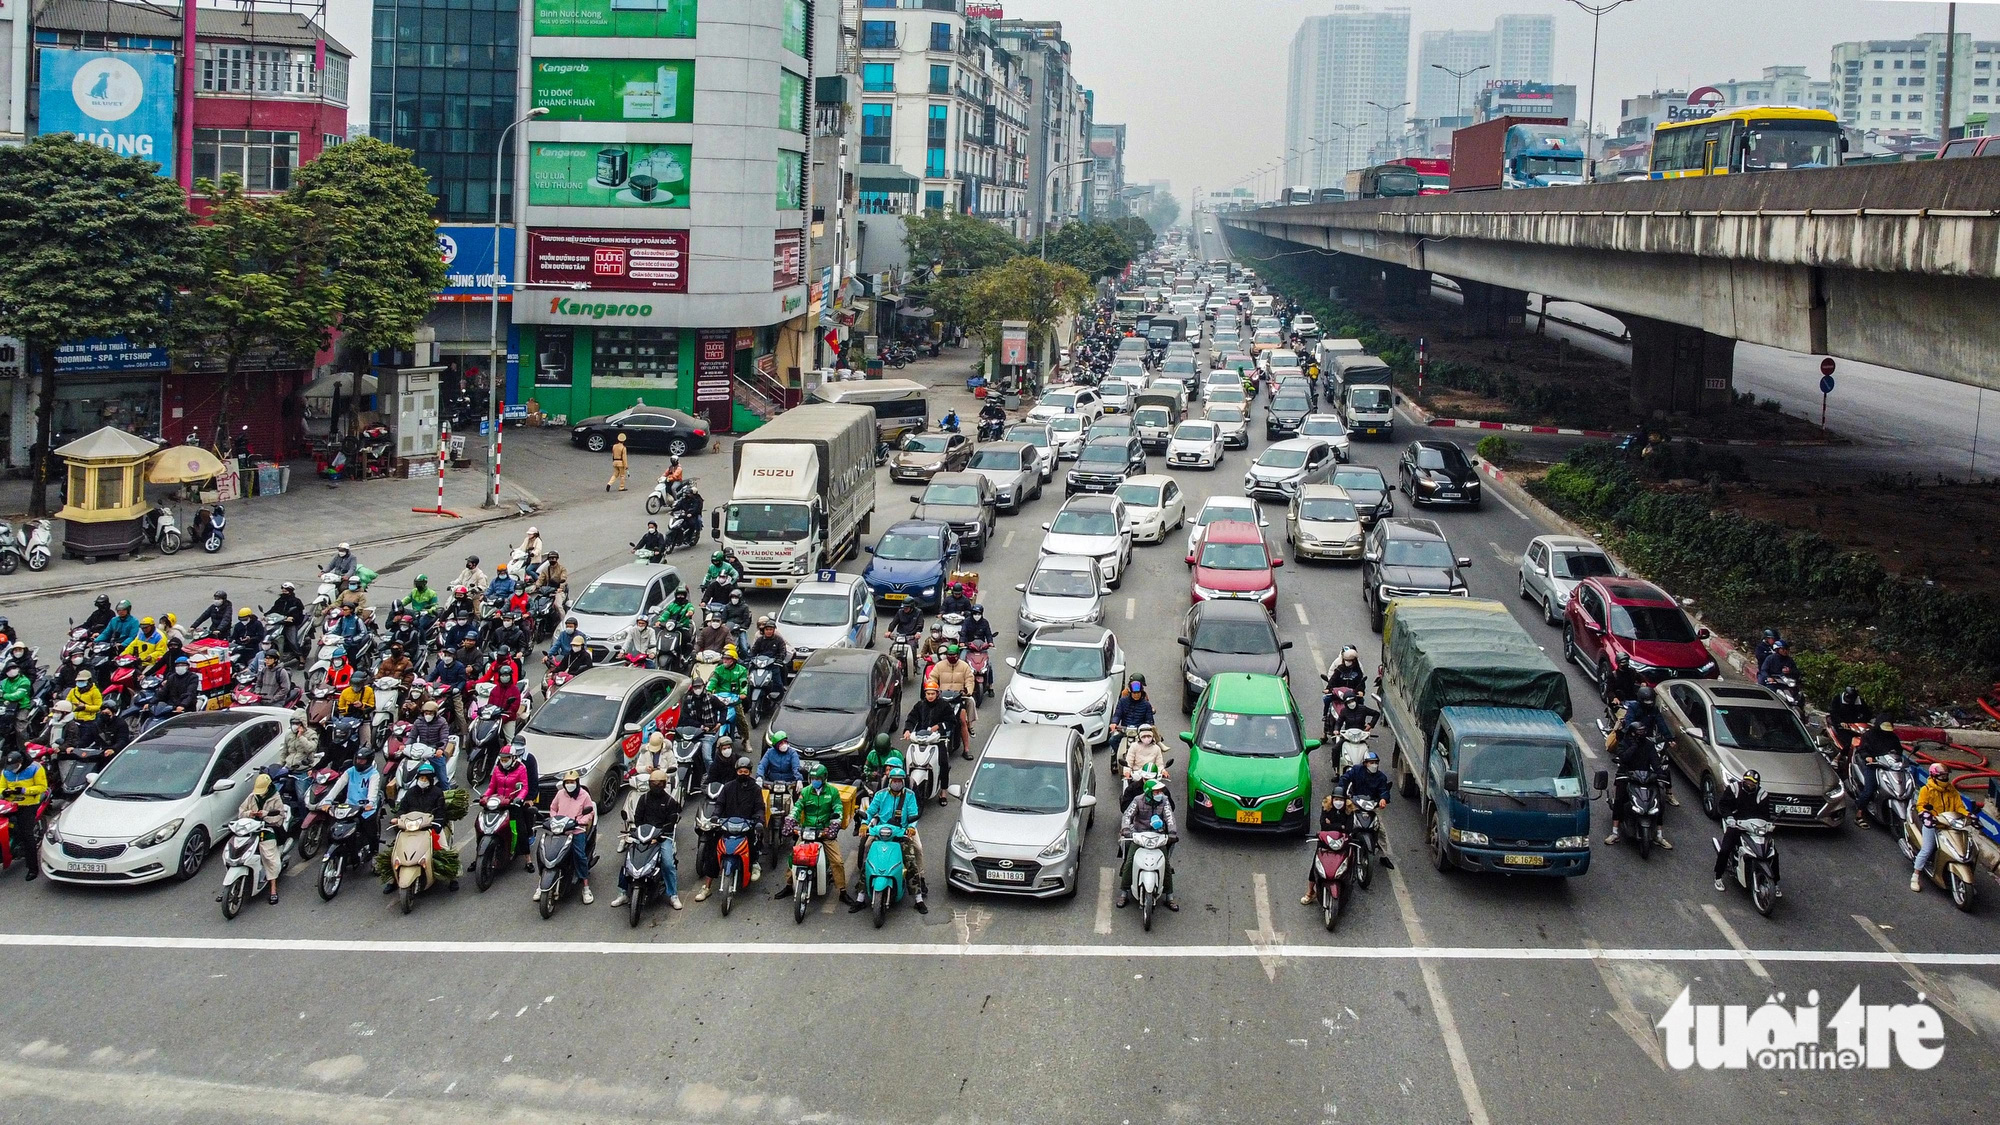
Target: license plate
(89,868)
(1371,430)
(1006,876)
(1521,861)
(1791,810)
(761,582)
(895,597)
(1249,816)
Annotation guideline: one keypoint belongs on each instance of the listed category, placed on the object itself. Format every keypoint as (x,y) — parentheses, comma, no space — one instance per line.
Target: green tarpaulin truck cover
(1444,652)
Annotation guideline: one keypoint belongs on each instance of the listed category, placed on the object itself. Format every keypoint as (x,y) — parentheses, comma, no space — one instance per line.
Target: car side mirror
(1045,527)
(1463,561)
(1701,633)
(222,785)
(1185,642)
(90,778)
(862,618)
(917,499)
(1088,800)
(1117,670)
(1451,781)
(956,791)
(1283,645)
(1187,736)
(1312,744)
(1013,662)
(1371,556)
(868,549)
(631,728)
(885,701)
(1601,781)
(1276,563)
(1698,734)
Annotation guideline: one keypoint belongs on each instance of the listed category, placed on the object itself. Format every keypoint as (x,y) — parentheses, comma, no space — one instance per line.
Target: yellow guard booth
(107,494)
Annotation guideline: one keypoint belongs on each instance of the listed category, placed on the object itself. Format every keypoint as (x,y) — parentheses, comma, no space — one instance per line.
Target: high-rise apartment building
(1780,85)
(1441,94)
(1896,85)
(444,89)
(1107,181)
(1340,63)
(1059,158)
(1524,49)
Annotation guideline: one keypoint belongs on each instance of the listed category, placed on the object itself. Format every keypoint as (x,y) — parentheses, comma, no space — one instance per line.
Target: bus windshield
(1773,145)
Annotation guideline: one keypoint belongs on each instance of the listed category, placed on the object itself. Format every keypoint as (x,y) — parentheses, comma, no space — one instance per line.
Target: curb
(1426,418)
(1517,428)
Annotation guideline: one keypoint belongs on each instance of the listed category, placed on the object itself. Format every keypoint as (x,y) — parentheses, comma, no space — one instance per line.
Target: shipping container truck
(1516,152)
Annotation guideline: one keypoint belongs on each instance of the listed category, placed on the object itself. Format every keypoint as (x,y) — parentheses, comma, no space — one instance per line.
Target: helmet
(1645,693)
(743,762)
(423,580)
(246,611)
(222,595)
(471,561)
(673,458)
(816,772)
(882,741)
(1770,634)
(1780,644)
(735,595)
(426,770)
(1350,655)
(573,776)
(1751,779)
(951,650)
(729,652)
(1624,661)
(125,604)
(716,557)
(680,595)
(500,569)
(978,610)
(765,622)
(1371,756)
(1155,790)
(776,737)
(82,676)
(145,622)
(896,774)
(287,587)
(103,601)
(1938,770)
(657,777)
(533,531)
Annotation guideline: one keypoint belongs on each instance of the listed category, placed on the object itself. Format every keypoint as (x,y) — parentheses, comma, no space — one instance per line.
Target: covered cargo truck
(1516,152)
(1480,721)
(804,492)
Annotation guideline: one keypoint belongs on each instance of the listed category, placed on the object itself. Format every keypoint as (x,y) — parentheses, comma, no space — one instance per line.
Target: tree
(1029,289)
(1098,249)
(261,285)
(956,244)
(372,207)
(1136,232)
(91,244)
(1162,211)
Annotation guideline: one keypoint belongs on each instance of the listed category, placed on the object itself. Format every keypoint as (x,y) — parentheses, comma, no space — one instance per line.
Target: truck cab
(1506,793)
(1543,156)
(1367,397)
(804,492)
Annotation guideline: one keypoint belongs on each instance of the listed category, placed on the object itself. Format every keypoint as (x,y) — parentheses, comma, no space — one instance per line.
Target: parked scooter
(1951,861)
(552,861)
(243,865)
(162,528)
(1755,864)
(1149,872)
(34,550)
(732,851)
(645,868)
(208,528)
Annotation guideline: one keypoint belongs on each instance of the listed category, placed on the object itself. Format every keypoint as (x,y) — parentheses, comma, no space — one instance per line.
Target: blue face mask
(818,784)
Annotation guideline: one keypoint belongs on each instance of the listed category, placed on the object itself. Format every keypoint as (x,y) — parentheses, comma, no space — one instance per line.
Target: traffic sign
(1826,366)
(1826,383)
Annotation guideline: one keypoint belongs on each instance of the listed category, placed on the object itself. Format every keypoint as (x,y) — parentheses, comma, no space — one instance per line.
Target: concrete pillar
(1678,369)
(1402,285)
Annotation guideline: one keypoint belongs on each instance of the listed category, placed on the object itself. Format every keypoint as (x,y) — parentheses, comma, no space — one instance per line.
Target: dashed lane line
(1300,609)
(1461,1063)
(1107,892)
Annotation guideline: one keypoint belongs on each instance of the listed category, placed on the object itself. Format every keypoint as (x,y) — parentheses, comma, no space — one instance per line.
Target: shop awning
(922,312)
(890,179)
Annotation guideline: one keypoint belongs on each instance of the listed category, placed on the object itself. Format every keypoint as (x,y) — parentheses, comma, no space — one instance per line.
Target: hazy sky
(1201,85)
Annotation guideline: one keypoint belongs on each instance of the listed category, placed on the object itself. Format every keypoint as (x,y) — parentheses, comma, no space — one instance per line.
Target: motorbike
(388,697)
(542,613)
(552,861)
(410,858)
(687,753)
(979,655)
(882,860)
(1638,816)
(1365,840)
(316,825)
(34,551)
(645,868)
(778,799)
(146,708)
(882,453)
(920,760)
(954,627)
(330,645)
(1353,747)
(954,735)
(207,529)
(243,869)
(497,829)
(1951,861)
(676,649)
(809,872)
(903,650)
(330,583)
(990,429)
(1787,689)
(414,755)
(732,715)
(125,679)
(1333,875)
(344,851)
(1755,864)
(487,738)
(765,689)
(662,495)
(1895,788)
(732,851)
(683,530)
(1149,873)
(161,528)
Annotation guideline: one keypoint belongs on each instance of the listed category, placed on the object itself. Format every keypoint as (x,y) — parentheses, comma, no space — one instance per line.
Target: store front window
(628,355)
(85,406)
(555,351)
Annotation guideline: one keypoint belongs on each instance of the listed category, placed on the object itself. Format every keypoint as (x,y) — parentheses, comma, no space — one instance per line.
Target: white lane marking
(1131,608)
(1265,936)
(1507,504)
(1940,996)
(1506,557)
(1107,894)
(1735,941)
(1007,540)
(1583,740)
(1626,1015)
(1319,658)
(1300,609)
(1461,1064)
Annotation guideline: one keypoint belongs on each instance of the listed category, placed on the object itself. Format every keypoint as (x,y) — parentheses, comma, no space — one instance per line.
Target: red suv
(1610,617)
(1231,560)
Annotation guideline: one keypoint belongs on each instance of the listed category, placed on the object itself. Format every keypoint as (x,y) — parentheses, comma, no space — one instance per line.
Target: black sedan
(647,429)
(1227,635)
(840,700)
(1438,472)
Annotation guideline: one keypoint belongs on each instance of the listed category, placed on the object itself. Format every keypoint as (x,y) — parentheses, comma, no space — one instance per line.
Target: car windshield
(960,495)
(1072,664)
(1328,509)
(1179,365)
(1275,458)
(1249,736)
(748,519)
(1369,398)
(1243,638)
(1195,431)
(910,546)
(1063,583)
(816,609)
(1582,564)
(1152,416)
(1104,454)
(1417,552)
(1366,480)
(165,767)
(1290,402)
(817,689)
(1523,767)
(1061,400)
(1322,427)
(1140,495)
(1769,729)
(1651,623)
(1067,424)
(1225,393)
(1011,786)
(1115,390)
(925,443)
(1033,435)
(1447,457)
(1084,521)
(1225,412)
(610,599)
(575,714)
(1234,556)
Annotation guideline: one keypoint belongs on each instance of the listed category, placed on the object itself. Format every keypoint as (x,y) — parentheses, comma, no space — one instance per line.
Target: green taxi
(1248,767)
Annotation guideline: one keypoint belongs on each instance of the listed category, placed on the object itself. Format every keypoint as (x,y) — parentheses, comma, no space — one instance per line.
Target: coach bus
(1749,139)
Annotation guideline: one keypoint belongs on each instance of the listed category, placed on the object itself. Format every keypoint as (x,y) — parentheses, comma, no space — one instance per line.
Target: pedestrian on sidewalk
(619,465)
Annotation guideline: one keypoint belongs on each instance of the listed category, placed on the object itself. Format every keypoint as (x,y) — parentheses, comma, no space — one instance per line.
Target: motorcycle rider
(121,629)
(714,636)
(461,605)
(1133,711)
(932,713)
(100,615)
(1335,815)
(769,643)
(501,588)
(463,631)
(954,673)
(1778,665)
(1847,708)
(818,808)
(1637,749)
(1622,685)
(652,541)
(554,577)
(908,624)
(274,683)
(993,412)
(781,764)
(955,600)
(1878,741)
(737,616)
(730,676)
(1765,644)
(217,616)
(673,472)
(719,579)
(699,709)
(422,602)
(1346,711)
(353,598)
(1937,798)
(740,799)
(426,796)
(656,807)
(1145,757)
(150,645)
(84,699)
(449,673)
(360,785)
(977,628)
(510,781)
(531,551)
(679,613)
(881,755)
(688,505)
(574,801)
(181,689)
(567,639)
(267,804)
(1346,672)
(247,635)
(895,804)
(396,665)
(1745,800)
(507,696)
(1367,780)
(344,563)
(430,728)
(472,578)
(288,606)
(1139,816)
(25,785)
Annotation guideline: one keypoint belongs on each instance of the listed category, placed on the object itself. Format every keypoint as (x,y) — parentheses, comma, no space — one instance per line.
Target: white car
(1304,325)
(1218,508)
(1554,565)
(1037,435)
(1286,466)
(1277,358)
(1232,421)
(1082,402)
(158,807)
(835,613)
(1092,526)
(1069,676)
(1154,506)
(1116,395)
(1067,432)
(1196,443)
(1327,428)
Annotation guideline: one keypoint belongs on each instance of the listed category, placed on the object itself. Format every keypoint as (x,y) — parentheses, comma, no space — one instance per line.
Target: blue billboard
(120,100)
(468,262)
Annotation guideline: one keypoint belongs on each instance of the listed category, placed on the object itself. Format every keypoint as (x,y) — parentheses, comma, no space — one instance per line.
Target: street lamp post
(1049,185)
(494,385)
(1597,13)
(1388,118)
(1458,98)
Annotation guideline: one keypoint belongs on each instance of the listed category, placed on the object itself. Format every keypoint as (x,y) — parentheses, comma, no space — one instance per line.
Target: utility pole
(1388,119)
(1950,57)
(496,381)
(1458,98)
(1597,12)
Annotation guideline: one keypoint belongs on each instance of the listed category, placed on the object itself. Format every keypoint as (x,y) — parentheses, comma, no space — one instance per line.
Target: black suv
(1104,464)
(1288,408)
(966,501)
(1404,558)
(1438,472)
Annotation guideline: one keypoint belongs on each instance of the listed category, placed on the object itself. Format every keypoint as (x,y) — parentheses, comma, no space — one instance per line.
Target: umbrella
(181,464)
